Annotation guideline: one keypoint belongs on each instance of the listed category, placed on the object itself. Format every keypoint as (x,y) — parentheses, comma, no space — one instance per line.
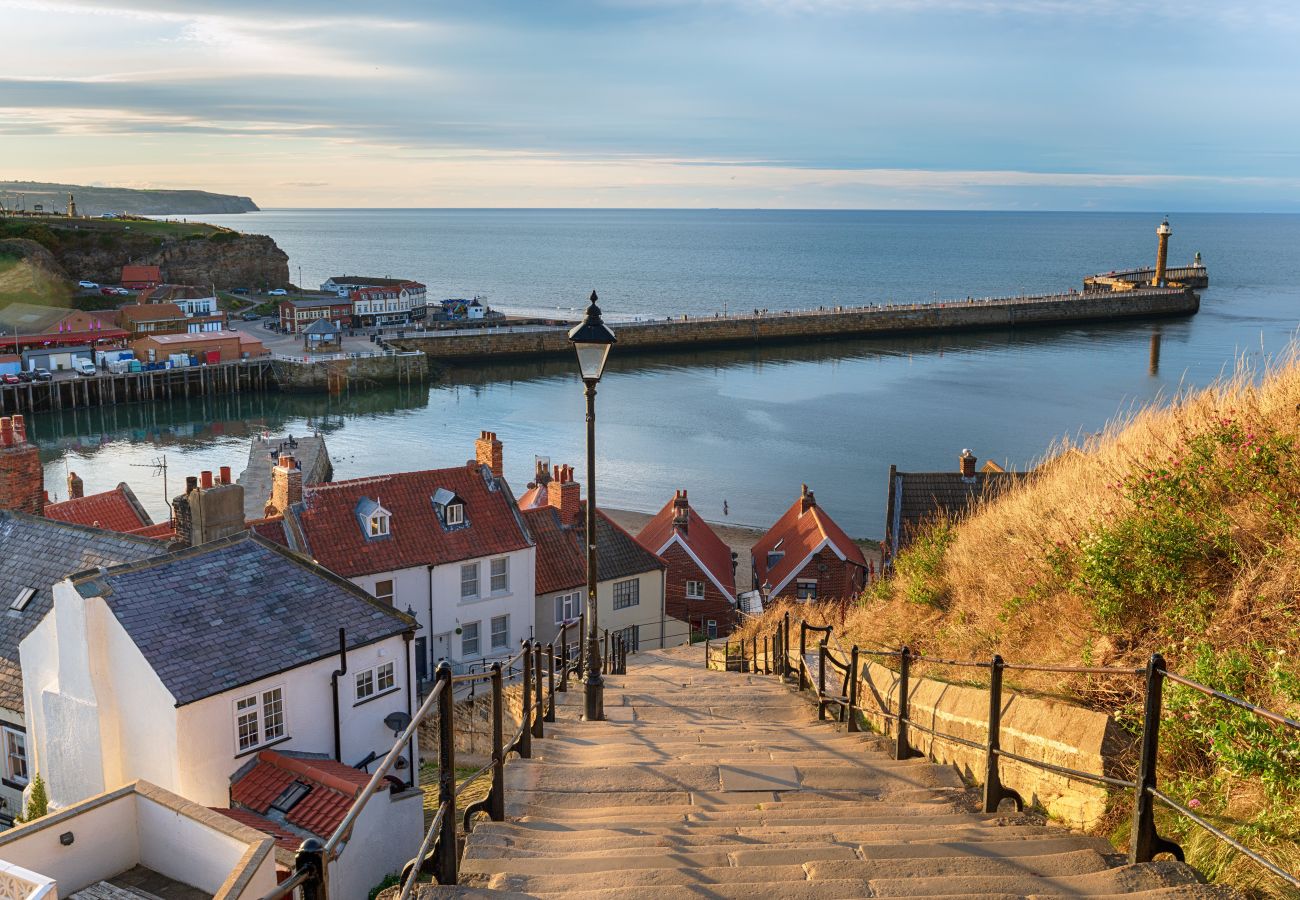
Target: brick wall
(681,568)
(836,579)
(22,479)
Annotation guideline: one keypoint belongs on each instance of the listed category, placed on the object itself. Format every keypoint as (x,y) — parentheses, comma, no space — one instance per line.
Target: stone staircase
(722,785)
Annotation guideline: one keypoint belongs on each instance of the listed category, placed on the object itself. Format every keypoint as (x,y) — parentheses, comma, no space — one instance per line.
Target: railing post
(726,655)
(525,716)
(604,660)
(550,682)
(497,799)
(708,659)
(564,658)
(901,750)
(311,855)
(821,681)
(582,631)
(803,650)
(853,689)
(540,701)
(754,667)
(994,793)
(1145,842)
(785,646)
(445,853)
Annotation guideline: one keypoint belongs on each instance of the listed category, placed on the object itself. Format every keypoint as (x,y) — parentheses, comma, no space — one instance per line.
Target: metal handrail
(1145,842)
(289,885)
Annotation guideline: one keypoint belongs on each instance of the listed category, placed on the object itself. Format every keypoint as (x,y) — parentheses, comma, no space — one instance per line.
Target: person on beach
(724,508)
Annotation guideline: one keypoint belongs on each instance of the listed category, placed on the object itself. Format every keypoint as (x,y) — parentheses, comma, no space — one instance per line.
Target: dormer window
(376,522)
(449,508)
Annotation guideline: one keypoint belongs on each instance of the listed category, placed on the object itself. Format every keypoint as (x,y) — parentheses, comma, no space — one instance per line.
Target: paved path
(724,785)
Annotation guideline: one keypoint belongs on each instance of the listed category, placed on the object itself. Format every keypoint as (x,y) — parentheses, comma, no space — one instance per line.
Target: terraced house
(448,546)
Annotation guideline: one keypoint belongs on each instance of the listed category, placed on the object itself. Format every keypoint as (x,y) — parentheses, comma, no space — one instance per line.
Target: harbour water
(742,426)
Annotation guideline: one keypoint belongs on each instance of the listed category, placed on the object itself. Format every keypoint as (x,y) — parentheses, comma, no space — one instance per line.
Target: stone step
(670,806)
(570,865)
(1013,848)
(534,775)
(645,878)
(789,890)
(1122,880)
(565,833)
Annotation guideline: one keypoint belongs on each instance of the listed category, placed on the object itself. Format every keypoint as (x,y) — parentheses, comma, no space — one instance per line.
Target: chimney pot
(191,483)
(225,475)
(565,495)
(205,478)
(20,430)
(76,487)
(806,499)
(488,452)
(6,432)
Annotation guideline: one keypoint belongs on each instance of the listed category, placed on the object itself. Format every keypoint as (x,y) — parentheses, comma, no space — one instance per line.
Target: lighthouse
(1162,253)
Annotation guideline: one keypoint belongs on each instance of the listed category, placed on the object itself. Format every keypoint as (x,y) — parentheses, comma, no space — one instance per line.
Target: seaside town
(649,450)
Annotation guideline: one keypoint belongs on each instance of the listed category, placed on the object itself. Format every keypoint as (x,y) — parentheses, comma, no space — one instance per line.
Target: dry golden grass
(1007,579)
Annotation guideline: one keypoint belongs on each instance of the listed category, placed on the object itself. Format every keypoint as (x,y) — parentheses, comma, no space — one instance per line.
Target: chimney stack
(22,478)
(564,494)
(967,460)
(806,499)
(286,486)
(76,487)
(681,512)
(208,510)
(488,452)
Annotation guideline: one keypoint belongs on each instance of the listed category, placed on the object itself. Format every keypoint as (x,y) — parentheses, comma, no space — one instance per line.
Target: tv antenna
(159,466)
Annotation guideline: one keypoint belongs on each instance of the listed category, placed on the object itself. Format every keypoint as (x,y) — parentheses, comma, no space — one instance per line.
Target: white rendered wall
(450,611)
(387,835)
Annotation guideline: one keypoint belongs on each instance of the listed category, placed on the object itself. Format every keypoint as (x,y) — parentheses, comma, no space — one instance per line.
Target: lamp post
(591,338)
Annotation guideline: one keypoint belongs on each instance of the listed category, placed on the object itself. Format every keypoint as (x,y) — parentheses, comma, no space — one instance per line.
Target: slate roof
(210,618)
(799,533)
(31,318)
(333,785)
(150,312)
(917,498)
(167,293)
(115,510)
(322,326)
(561,557)
(712,551)
(327,522)
(37,552)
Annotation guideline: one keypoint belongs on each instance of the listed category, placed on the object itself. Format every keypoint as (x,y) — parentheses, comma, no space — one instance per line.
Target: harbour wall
(820,325)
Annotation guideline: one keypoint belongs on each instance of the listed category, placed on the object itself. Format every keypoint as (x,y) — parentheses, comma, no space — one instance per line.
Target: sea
(743,428)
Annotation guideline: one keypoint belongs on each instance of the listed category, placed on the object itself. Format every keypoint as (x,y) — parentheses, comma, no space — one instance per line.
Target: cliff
(188,253)
(94,201)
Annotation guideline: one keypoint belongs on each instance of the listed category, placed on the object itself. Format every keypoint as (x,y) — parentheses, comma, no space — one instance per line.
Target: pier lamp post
(592,339)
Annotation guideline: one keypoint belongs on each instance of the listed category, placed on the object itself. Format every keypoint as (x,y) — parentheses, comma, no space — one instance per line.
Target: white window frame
(454,513)
(464,568)
(478,640)
(635,591)
(505,633)
(694,590)
(504,575)
(375,681)
(392,591)
(365,684)
(14,736)
(568,607)
(379,525)
(259,714)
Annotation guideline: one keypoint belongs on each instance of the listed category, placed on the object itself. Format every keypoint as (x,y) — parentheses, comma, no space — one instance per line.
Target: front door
(441,647)
(421,659)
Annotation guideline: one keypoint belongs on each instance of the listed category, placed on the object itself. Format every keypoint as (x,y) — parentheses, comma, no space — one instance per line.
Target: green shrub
(919,568)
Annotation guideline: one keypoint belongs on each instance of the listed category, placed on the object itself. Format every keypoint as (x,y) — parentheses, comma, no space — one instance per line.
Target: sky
(1153,105)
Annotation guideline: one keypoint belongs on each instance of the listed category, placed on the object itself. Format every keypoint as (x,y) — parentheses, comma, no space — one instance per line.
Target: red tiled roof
(150,312)
(333,788)
(799,534)
(560,563)
(115,510)
(534,498)
(141,273)
(285,840)
(711,550)
(328,520)
(271,528)
(163,531)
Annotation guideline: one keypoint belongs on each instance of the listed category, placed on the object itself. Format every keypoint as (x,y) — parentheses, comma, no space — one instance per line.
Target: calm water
(743,426)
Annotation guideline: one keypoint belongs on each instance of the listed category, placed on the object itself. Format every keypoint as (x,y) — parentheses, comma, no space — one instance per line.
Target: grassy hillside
(94,201)
(1176,531)
(28,274)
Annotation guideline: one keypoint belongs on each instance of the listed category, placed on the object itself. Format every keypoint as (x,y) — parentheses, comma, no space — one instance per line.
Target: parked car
(10,379)
(122,292)
(249,316)
(83,367)
(108,291)
(87,285)
(43,375)
(239,290)
(26,377)
(278,292)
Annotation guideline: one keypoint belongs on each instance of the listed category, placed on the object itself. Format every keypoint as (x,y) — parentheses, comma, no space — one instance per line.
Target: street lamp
(591,338)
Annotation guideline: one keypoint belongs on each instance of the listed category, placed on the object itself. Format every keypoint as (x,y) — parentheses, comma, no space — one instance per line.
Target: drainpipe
(410,707)
(428,648)
(334,683)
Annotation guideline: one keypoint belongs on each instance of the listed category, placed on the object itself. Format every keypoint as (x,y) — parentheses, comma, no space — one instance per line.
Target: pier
(826,324)
(310,452)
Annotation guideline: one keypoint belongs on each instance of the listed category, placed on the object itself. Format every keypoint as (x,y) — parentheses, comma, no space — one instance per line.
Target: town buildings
(379,301)
(192,300)
(449,545)
(136,672)
(807,556)
(52,337)
(700,586)
(138,278)
(209,347)
(917,499)
(298,313)
(630,579)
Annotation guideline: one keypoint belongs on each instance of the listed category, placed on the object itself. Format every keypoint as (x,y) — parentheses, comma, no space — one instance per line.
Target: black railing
(1145,841)
(438,853)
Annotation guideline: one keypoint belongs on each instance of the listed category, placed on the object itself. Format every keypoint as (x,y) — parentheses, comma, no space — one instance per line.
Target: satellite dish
(397,721)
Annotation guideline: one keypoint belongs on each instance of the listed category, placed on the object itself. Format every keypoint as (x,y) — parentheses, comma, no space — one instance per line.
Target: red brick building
(701,579)
(22,477)
(138,278)
(806,556)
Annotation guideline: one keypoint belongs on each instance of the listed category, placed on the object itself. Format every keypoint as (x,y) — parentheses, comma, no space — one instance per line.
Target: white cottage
(187,669)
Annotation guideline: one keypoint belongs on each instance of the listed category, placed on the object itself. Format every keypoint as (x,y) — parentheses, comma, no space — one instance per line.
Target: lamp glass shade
(591,360)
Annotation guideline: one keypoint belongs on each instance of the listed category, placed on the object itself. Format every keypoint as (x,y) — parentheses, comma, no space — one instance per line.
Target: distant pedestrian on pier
(724,508)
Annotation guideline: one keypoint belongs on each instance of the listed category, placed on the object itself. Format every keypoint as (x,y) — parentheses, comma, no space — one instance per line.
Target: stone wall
(339,375)
(830,324)
(473,730)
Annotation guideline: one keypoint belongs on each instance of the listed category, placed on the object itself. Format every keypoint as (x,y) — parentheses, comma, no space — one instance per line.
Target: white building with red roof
(449,545)
(806,556)
(700,587)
